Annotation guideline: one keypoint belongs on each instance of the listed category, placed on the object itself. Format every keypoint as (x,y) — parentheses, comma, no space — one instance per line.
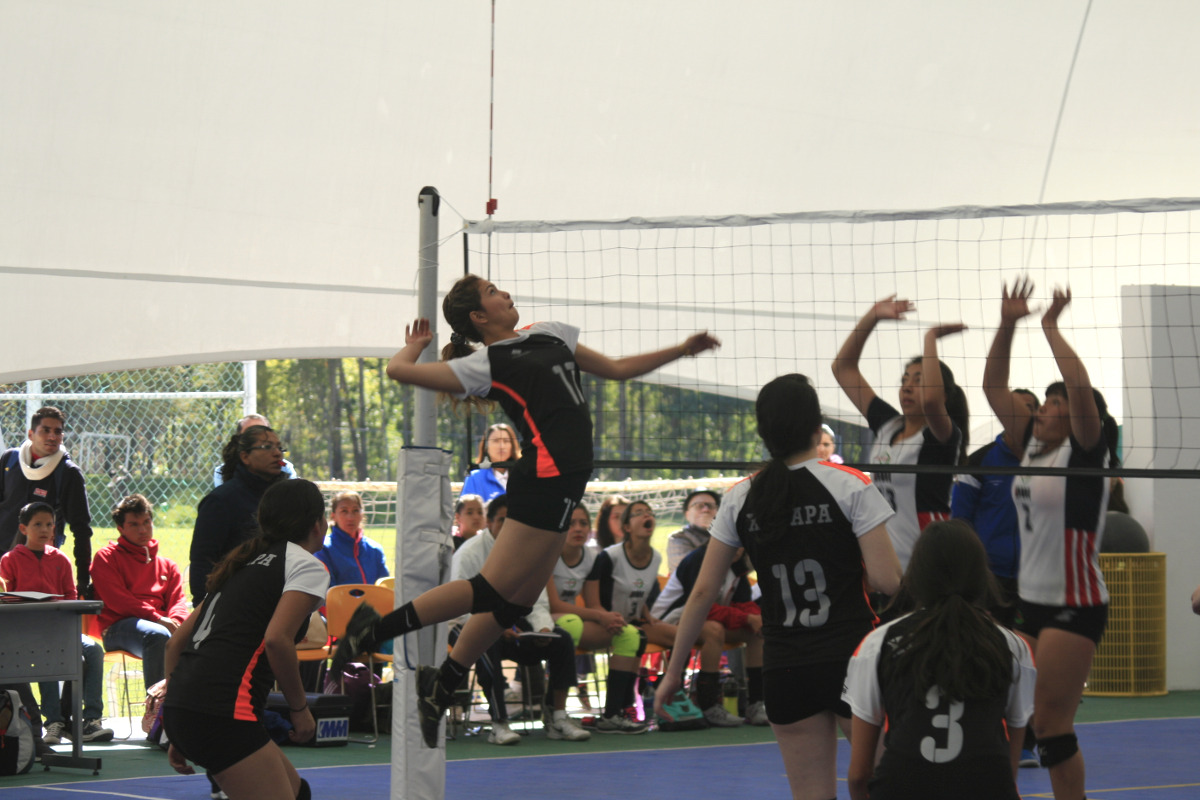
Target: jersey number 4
(809,577)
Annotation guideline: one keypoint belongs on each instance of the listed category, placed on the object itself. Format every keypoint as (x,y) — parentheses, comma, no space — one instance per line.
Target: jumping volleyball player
(816,531)
(534,374)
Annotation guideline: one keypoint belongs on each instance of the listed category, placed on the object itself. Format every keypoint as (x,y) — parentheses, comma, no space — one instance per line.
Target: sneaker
(756,714)
(94,731)
(432,702)
(718,717)
(1029,758)
(561,726)
(618,724)
(55,731)
(359,637)
(218,795)
(502,734)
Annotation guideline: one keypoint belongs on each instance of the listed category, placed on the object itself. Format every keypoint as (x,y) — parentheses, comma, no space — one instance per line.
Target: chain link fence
(158,431)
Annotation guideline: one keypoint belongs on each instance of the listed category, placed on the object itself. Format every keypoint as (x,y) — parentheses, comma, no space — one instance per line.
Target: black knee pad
(485,598)
(1054,750)
(642,642)
(305,792)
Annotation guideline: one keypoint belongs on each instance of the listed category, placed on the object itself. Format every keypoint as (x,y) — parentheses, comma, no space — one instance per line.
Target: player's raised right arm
(403,367)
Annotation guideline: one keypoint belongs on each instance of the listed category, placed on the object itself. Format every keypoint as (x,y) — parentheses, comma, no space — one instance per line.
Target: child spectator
(469,518)
(348,554)
(38,566)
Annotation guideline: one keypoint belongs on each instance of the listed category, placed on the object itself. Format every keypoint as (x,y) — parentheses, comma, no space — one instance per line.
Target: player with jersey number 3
(533,373)
(816,532)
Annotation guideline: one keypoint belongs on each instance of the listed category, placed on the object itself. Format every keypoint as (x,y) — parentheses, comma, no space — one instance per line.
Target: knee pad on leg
(485,598)
(1054,750)
(305,792)
(629,641)
(572,624)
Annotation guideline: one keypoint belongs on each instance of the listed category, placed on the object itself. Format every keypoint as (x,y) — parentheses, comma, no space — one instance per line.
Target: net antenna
(784,290)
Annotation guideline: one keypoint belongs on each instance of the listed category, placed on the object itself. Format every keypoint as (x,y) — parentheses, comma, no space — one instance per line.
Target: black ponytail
(287,512)
(457,306)
(953,644)
(789,422)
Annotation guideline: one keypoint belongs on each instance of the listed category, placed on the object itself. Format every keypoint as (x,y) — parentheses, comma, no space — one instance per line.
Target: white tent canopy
(205,181)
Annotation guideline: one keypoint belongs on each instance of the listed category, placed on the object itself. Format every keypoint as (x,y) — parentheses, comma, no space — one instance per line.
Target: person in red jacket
(35,565)
(142,591)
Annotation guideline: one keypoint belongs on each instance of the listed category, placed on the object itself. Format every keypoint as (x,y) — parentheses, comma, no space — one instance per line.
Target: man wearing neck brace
(41,469)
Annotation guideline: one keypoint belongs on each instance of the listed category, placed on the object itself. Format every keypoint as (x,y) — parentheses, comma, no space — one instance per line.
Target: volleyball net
(783,291)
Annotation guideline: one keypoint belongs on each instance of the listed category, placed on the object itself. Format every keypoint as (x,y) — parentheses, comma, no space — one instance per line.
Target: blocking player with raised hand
(929,428)
(533,373)
(816,533)
(1064,602)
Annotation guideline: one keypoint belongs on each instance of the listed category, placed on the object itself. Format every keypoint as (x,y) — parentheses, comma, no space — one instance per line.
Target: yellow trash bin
(1131,660)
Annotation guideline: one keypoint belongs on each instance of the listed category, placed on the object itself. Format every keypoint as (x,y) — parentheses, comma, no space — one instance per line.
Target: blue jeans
(146,640)
(93,683)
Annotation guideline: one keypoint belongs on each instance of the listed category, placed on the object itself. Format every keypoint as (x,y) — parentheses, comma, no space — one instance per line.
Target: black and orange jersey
(535,379)
(223,669)
(814,596)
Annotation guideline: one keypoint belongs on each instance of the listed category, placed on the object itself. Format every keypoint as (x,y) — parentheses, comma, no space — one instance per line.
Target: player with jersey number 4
(533,373)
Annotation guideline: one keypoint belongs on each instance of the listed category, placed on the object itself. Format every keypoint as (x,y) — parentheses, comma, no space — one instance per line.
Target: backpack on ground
(17,752)
(684,716)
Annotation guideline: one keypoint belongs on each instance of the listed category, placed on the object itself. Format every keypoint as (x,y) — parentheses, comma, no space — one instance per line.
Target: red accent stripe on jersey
(546,468)
(243,709)
(924,518)
(1083,585)
(851,470)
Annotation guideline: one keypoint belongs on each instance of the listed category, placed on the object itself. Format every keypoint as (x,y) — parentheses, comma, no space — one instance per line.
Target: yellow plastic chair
(340,603)
(387,582)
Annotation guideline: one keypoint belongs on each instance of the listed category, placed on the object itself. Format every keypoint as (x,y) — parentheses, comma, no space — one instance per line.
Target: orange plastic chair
(340,603)
(387,582)
(130,667)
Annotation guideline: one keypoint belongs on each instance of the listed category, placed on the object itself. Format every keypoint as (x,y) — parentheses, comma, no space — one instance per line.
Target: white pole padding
(423,551)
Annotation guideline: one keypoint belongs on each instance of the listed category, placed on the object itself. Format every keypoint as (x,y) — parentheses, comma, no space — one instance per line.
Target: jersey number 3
(816,612)
(935,701)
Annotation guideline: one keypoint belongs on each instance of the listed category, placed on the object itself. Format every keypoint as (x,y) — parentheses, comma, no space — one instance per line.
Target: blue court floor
(1155,759)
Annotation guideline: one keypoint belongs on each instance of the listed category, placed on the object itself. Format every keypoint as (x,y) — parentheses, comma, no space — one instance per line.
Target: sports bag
(17,752)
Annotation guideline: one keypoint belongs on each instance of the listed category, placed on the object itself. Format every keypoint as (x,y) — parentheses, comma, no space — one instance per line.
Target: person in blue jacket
(497,450)
(348,554)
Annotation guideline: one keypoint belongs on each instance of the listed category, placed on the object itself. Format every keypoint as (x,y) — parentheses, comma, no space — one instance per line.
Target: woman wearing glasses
(251,461)
(498,447)
(699,509)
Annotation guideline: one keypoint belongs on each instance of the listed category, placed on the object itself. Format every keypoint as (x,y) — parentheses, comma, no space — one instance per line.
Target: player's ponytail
(953,644)
(287,512)
(462,299)
(789,422)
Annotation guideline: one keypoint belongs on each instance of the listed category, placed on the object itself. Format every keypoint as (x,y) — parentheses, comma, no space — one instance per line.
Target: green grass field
(174,543)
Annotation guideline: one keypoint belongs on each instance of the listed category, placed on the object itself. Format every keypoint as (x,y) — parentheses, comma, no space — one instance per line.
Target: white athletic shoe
(756,714)
(502,734)
(718,717)
(561,726)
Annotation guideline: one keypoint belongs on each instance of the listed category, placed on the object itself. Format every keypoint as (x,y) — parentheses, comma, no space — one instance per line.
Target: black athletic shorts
(795,693)
(1088,621)
(545,503)
(214,742)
